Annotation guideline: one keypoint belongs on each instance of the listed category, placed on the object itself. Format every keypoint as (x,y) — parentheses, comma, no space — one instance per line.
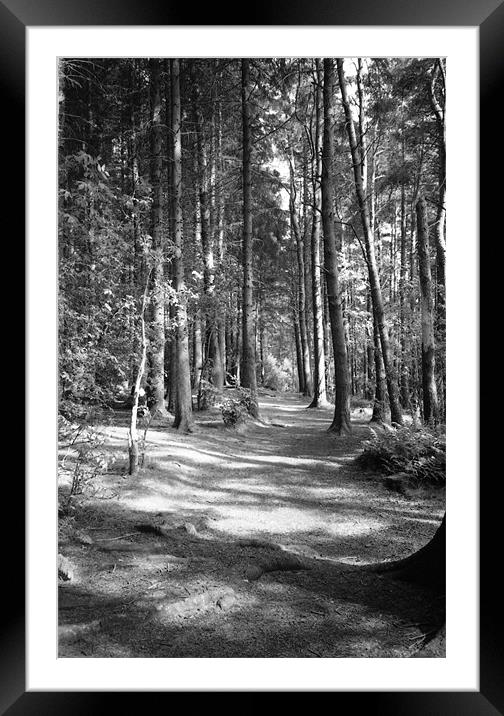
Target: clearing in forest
(245,544)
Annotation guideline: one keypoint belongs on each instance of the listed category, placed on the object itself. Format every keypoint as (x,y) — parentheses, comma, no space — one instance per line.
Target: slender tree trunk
(381,413)
(197,331)
(439,231)
(299,354)
(341,420)
(306,242)
(197,351)
(319,368)
(133,433)
(206,183)
(296,235)
(248,367)
(438,74)
(156,380)
(429,390)
(374,279)
(139,268)
(183,399)
(402,301)
(329,358)
(170,319)
(221,317)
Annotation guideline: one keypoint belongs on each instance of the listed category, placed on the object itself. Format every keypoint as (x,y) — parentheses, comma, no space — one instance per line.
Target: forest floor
(254,545)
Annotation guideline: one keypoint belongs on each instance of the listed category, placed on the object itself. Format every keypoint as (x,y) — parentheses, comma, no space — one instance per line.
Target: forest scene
(252,383)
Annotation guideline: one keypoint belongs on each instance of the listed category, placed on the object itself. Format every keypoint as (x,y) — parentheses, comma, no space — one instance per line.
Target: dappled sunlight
(230,502)
(353,527)
(280,520)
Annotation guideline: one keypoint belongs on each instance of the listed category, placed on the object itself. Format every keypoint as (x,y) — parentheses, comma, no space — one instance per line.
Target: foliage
(208,395)
(247,400)
(106,203)
(417,451)
(97,303)
(88,458)
(278,376)
(235,411)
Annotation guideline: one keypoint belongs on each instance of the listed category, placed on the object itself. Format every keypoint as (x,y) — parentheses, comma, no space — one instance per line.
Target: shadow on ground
(293,486)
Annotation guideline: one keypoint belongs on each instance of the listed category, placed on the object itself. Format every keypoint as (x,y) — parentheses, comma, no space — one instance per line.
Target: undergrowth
(236,411)
(419,452)
(83,454)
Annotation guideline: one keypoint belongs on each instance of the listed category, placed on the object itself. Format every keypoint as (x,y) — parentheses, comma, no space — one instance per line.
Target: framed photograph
(113,76)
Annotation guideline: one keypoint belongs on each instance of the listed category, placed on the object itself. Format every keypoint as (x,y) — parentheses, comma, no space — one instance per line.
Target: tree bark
(381,413)
(429,390)
(299,355)
(341,420)
(133,434)
(374,279)
(439,231)
(402,301)
(303,329)
(248,365)
(427,566)
(206,184)
(156,380)
(319,371)
(183,399)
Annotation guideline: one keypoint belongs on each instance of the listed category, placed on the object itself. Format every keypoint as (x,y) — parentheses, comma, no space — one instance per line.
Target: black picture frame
(15,17)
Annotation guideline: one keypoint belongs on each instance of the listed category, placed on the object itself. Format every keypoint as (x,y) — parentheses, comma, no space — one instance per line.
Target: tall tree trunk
(341,420)
(183,399)
(319,370)
(133,433)
(439,227)
(156,381)
(197,330)
(248,366)
(374,279)
(329,358)
(381,413)
(221,316)
(206,182)
(296,235)
(197,351)
(439,231)
(429,390)
(299,353)
(402,299)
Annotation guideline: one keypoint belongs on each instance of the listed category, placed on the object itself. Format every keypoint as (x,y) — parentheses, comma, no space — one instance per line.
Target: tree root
(259,543)
(165,530)
(281,563)
(224,598)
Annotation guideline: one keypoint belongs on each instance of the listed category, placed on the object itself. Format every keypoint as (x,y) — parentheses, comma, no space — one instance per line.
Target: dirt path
(285,493)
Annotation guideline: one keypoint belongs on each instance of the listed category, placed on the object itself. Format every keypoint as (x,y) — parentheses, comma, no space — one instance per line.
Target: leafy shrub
(207,395)
(89,457)
(233,412)
(236,410)
(417,451)
(247,401)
